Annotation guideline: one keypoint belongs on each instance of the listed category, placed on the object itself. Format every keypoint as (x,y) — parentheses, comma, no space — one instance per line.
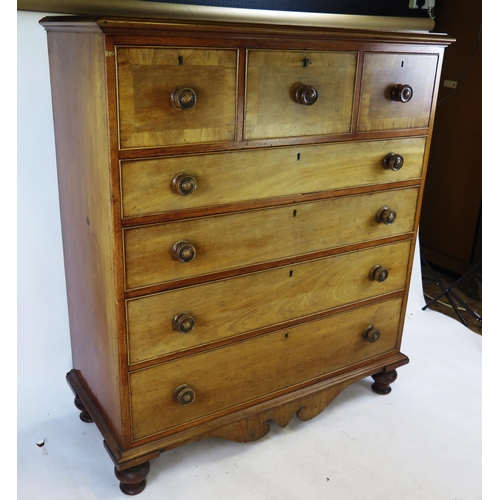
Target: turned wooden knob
(183,99)
(371,334)
(183,322)
(184,395)
(306,95)
(402,93)
(393,161)
(184,184)
(379,273)
(386,215)
(183,251)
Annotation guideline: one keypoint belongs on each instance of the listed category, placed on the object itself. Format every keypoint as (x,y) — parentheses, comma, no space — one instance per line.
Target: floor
(469,291)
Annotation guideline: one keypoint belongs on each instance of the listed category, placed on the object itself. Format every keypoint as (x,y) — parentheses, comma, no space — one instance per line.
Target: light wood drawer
(243,239)
(148,78)
(245,371)
(382,72)
(258,174)
(273,78)
(222,309)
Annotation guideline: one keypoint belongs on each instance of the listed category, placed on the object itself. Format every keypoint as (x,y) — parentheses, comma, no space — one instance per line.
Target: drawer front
(379,108)
(273,79)
(155,186)
(244,371)
(242,239)
(222,309)
(170,96)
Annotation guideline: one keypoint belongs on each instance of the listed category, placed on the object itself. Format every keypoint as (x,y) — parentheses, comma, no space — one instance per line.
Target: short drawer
(397,91)
(177,320)
(282,84)
(160,185)
(206,245)
(224,378)
(170,96)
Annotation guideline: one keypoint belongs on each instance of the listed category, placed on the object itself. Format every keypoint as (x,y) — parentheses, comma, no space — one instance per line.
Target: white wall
(44,355)
(43,334)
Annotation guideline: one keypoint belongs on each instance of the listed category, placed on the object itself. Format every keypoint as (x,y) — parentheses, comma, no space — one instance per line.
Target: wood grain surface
(272,79)
(226,377)
(380,74)
(264,173)
(147,76)
(241,239)
(231,307)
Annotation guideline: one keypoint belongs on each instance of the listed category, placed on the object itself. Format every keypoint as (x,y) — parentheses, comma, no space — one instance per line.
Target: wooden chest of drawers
(239,206)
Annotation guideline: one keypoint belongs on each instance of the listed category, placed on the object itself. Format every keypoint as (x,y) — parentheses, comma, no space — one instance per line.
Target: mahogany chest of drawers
(239,206)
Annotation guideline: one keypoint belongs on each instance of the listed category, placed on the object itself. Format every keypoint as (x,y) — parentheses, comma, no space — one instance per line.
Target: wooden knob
(393,161)
(184,184)
(184,395)
(386,215)
(183,251)
(306,95)
(379,273)
(371,334)
(183,99)
(183,323)
(402,93)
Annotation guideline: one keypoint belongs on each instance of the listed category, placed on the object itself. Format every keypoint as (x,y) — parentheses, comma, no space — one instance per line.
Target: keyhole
(402,63)
(286,335)
(298,156)
(291,274)
(295,213)
(181,60)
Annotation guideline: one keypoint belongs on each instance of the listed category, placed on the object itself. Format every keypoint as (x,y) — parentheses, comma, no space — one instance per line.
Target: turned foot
(383,380)
(133,480)
(84,414)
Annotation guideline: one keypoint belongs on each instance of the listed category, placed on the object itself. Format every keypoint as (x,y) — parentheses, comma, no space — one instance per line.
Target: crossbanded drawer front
(170,96)
(155,185)
(226,308)
(208,245)
(223,378)
(397,91)
(275,77)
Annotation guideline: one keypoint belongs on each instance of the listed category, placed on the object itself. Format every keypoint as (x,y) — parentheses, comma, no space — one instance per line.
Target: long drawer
(158,185)
(226,308)
(244,371)
(232,241)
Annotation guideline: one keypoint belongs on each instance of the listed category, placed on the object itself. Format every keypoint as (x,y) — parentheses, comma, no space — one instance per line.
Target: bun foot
(133,480)
(84,414)
(383,380)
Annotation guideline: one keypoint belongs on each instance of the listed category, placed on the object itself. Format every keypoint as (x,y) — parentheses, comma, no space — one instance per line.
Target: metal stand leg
(451,295)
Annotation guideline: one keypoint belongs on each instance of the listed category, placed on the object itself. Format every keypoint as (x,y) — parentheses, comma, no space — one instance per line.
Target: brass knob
(183,99)
(183,323)
(306,95)
(183,251)
(371,334)
(379,273)
(402,93)
(393,161)
(184,184)
(386,215)
(184,395)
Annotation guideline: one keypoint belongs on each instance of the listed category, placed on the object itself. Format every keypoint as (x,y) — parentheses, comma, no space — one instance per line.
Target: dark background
(397,8)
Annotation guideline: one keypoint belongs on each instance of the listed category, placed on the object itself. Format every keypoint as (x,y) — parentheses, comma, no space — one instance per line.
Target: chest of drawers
(239,206)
